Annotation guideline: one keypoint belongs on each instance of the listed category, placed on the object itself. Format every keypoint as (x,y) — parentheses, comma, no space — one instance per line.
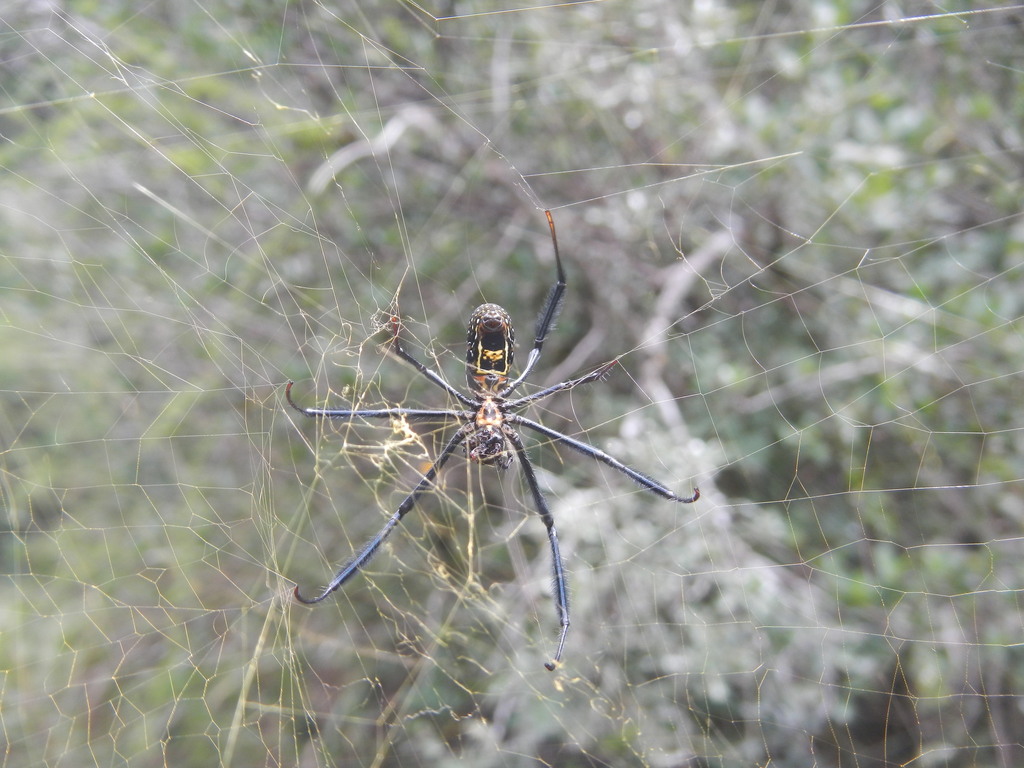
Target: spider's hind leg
(548,314)
(394,346)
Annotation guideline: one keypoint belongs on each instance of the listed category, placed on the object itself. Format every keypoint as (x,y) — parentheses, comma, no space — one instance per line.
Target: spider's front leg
(561,587)
(642,479)
(368,550)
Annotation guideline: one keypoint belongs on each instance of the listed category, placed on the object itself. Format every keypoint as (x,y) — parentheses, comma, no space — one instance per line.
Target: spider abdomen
(490,348)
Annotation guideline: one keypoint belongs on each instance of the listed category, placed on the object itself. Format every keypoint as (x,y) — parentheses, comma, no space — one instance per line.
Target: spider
(488,427)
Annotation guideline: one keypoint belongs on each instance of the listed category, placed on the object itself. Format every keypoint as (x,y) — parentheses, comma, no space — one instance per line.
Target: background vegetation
(798,223)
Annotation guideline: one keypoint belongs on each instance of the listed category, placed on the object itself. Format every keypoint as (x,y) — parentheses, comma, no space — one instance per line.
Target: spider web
(797,224)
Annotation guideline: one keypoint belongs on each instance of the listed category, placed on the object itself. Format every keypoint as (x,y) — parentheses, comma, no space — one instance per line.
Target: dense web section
(796,225)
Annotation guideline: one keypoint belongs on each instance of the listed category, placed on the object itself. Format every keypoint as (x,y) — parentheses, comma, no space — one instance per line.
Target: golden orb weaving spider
(488,426)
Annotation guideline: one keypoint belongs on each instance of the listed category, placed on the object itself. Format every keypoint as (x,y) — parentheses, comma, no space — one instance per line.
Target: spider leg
(561,589)
(369,549)
(596,453)
(396,348)
(547,316)
(416,414)
(597,375)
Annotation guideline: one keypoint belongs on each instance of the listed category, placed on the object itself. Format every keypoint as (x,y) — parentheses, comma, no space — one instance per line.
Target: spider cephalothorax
(488,423)
(488,444)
